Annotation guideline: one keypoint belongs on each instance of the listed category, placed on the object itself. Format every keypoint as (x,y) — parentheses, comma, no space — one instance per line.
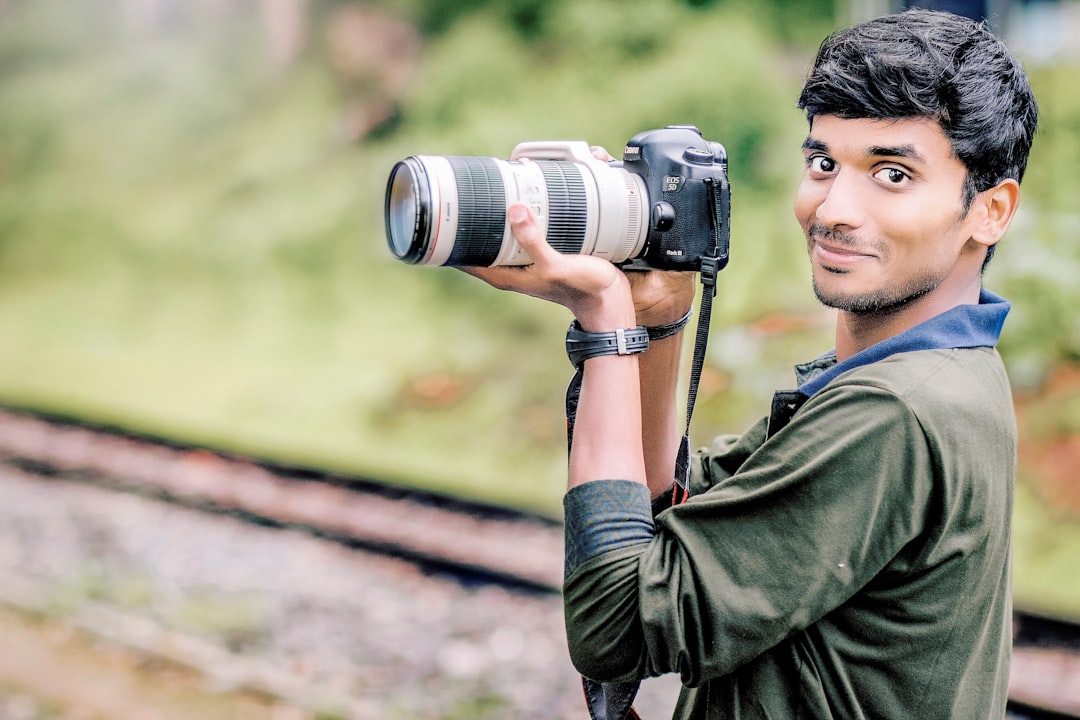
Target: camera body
(686,181)
(665,205)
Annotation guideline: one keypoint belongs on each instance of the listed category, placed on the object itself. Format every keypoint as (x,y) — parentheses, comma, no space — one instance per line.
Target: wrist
(582,345)
(669,313)
(662,297)
(606,311)
(659,332)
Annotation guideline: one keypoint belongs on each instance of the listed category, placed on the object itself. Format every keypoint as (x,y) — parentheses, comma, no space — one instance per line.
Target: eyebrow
(902,151)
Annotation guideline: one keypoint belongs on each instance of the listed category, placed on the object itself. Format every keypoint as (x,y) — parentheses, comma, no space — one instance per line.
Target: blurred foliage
(1038,266)
(190,243)
(191,237)
(1044,556)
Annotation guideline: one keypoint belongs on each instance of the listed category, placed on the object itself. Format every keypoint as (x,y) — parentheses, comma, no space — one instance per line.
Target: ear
(993,212)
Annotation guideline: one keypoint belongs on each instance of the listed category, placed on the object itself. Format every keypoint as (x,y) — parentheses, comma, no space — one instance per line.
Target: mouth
(838,258)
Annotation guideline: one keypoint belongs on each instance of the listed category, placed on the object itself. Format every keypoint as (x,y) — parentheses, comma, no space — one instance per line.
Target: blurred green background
(191,230)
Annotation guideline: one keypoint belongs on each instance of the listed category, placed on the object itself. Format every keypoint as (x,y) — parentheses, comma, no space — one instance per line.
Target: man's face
(880,202)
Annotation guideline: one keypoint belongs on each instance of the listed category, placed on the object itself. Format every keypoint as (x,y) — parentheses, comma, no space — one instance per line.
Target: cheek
(805,202)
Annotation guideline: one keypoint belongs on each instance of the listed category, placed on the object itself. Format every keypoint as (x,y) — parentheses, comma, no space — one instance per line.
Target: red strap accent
(679,495)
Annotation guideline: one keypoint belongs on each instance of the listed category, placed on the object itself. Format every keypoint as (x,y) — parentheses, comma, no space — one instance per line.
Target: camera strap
(712,262)
(614,700)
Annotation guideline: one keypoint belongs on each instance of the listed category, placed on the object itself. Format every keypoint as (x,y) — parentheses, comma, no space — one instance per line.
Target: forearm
(658,372)
(607,436)
(661,299)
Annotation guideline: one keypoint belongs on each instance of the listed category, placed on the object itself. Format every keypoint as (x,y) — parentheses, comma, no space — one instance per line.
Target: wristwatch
(582,345)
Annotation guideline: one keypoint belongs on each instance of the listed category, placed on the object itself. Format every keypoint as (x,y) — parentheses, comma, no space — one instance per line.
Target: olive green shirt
(853,563)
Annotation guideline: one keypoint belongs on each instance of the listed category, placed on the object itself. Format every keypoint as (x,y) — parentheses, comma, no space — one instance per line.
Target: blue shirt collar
(964,326)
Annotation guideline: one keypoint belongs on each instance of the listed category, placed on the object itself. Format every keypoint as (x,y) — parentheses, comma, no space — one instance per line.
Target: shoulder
(907,372)
(954,403)
(932,383)
(903,410)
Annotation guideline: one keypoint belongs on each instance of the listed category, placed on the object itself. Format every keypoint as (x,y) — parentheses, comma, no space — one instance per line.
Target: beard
(880,301)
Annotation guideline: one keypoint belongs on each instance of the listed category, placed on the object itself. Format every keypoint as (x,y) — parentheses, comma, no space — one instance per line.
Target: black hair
(923,63)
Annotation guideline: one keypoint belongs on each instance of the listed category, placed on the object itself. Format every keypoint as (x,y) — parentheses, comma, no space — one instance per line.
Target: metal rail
(472,541)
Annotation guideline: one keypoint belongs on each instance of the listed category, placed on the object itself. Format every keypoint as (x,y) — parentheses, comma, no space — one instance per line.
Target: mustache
(844,239)
(817,231)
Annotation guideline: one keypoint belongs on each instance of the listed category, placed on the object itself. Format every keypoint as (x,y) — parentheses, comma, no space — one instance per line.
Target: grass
(201,257)
(1045,562)
(348,395)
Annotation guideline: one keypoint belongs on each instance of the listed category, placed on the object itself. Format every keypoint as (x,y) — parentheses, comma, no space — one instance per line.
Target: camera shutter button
(662,216)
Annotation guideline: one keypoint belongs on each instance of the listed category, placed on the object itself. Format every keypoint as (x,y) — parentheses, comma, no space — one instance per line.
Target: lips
(835,255)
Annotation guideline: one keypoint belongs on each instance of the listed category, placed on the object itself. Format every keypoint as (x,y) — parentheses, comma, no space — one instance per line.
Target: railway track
(472,542)
(325,595)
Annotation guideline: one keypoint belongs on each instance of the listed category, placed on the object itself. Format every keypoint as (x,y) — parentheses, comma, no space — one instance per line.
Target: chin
(845,298)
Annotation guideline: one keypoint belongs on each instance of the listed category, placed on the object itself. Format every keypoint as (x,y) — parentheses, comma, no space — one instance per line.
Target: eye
(821,164)
(892,176)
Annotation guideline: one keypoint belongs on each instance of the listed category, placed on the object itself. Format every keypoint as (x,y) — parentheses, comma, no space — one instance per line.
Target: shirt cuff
(605,515)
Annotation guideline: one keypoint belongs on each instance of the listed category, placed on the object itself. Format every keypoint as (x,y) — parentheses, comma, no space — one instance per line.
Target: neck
(857,331)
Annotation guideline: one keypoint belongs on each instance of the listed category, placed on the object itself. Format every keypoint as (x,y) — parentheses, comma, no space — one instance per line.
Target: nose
(840,203)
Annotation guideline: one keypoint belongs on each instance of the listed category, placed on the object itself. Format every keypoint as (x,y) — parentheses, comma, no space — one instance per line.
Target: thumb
(528,232)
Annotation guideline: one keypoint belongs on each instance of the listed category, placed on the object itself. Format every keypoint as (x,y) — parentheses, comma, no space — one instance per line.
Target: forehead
(918,140)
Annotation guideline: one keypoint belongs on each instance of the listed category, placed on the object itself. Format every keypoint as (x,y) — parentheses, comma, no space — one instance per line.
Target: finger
(529,234)
(600,153)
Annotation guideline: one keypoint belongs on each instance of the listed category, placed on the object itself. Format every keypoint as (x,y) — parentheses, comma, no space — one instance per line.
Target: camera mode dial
(697,156)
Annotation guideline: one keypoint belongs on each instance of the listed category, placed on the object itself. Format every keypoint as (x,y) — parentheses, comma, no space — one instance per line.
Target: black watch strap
(659,332)
(582,345)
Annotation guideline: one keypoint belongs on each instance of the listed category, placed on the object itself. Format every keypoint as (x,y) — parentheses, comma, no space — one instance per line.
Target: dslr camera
(665,205)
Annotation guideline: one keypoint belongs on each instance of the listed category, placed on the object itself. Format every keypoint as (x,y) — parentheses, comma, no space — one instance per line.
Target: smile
(838,256)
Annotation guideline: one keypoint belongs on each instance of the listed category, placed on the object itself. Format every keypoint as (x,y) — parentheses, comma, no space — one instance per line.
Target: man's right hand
(594,290)
(661,296)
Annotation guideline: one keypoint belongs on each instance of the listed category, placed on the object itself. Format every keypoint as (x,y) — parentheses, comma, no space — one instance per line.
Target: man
(848,556)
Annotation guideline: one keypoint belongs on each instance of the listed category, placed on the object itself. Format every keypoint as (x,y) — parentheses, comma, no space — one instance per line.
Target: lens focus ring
(567,205)
(482,211)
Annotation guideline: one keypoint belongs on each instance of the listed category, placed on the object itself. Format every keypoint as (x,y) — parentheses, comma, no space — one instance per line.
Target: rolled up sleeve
(608,525)
(603,516)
